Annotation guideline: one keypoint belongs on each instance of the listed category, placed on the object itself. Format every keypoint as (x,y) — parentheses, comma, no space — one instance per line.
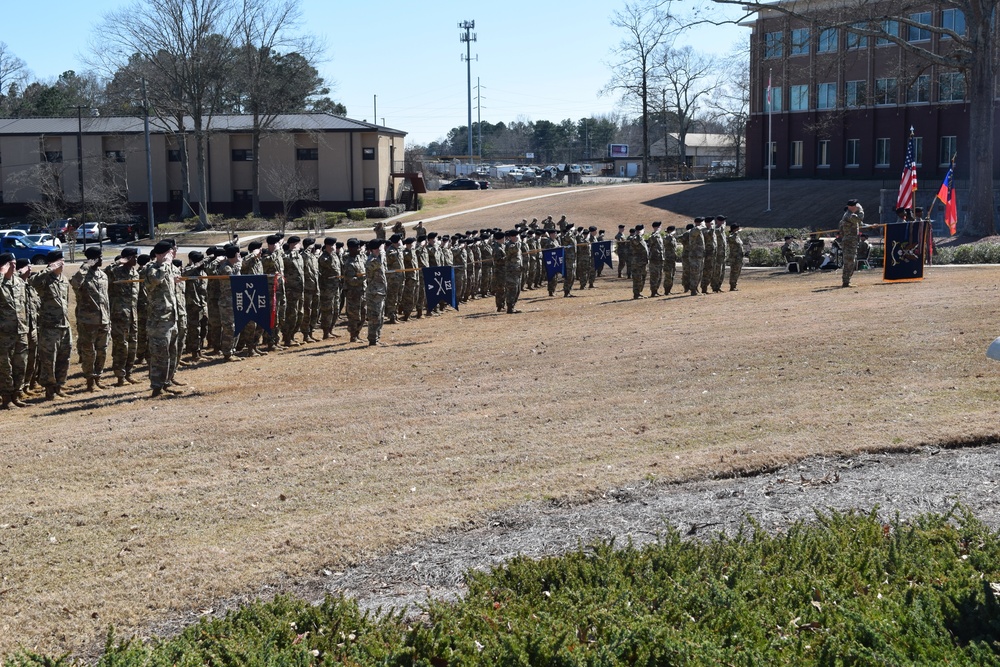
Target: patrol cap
(194,256)
(92,252)
(254,245)
(161,247)
(6,258)
(53,256)
(131,252)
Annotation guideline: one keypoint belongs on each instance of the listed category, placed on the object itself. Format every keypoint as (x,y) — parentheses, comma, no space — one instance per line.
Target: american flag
(908,183)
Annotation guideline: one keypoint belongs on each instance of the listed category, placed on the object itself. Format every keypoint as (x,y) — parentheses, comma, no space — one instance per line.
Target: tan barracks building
(342,163)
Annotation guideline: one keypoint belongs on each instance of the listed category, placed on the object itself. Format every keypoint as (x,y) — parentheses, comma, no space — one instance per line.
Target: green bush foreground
(846,589)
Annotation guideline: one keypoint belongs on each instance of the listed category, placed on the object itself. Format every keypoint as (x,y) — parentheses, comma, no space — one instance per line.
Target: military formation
(158,309)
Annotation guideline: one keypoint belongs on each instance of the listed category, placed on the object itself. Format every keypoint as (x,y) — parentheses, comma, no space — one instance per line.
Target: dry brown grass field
(121,510)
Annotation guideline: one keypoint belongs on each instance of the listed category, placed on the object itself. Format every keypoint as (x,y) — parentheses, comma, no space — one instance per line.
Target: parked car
(13,232)
(93,231)
(126,232)
(58,228)
(42,239)
(587,169)
(461,184)
(484,185)
(21,250)
(30,227)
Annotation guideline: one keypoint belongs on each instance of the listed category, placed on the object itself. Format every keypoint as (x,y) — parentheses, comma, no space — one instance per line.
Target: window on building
(800,42)
(775,105)
(949,146)
(52,156)
(852,154)
(115,156)
(773,45)
(367,153)
(369,194)
(918,150)
(242,195)
(304,154)
(951,87)
(855,40)
(242,155)
(886,91)
(796,155)
(889,28)
(882,152)
(173,155)
(827,41)
(919,91)
(954,20)
(799,97)
(770,154)
(823,153)
(856,93)
(917,33)
(826,96)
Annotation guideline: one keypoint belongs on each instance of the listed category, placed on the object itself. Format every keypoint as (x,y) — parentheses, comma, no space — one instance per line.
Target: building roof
(104,125)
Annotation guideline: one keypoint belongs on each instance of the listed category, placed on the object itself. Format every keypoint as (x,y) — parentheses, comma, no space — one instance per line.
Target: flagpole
(770,145)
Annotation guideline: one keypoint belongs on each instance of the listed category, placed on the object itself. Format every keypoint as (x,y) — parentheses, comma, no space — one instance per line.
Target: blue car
(21,249)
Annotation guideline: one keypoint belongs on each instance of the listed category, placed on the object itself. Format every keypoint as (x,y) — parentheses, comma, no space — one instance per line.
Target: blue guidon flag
(439,281)
(252,301)
(555,262)
(904,251)
(601,252)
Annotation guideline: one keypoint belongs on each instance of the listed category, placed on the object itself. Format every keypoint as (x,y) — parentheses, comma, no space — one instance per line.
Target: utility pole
(149,162)
(479,117)
(468,37)
(79,170)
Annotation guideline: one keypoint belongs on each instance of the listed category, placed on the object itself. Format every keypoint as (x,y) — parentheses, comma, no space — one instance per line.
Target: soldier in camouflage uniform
(310,298)
(395,278)
(212,264)
(850,227)
(499,256)
(423,261)
(621,249)
(709,268)
(227,317)
(686,256)
(638,254)
(274,269)
(512,270)
(669,259)
(329,287)
(551,240)
(93,317)
(160,277)
(376,289)
(252,265)
(55,342)
(195,304)
(486,255)
(735,244)
(411,281)
(568,241)
(656,254)
(13,333)
(696,261)
(141,306)
(31,367)
(123,296)
(355,276)
(585,272)
(182,320)
(458,260)
(721,253)
(294,290)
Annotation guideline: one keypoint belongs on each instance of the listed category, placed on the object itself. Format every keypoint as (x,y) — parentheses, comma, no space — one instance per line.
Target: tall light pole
(468,37)
(79,169)
(149,162)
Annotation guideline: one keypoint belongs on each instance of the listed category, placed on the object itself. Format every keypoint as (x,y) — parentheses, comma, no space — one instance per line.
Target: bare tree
(188,43)
(13,72)
(647,27)
(972,52)
(45,197)
(730,100)
(686,77)
(287,184)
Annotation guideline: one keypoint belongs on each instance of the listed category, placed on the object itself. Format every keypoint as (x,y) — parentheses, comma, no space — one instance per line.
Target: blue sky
(536,60)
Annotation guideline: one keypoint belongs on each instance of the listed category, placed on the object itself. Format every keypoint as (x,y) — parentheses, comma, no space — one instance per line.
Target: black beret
(143,259)
(292,240)
(353,243)
(787,238)
(733,226)
(720,218)
(340,244)
(639,227)
(273,239)
(307,241)
(671,228)
(129,252)
(697,220)
(592,229)
(178,263)
(92,252)
(280,235)
(395,238)
(161,247)
(657,223)
(689,226)
(512,232)
(195,256)
(422,237)
(852,202)
(408,240)
(6,258)
(432,235)
(498,235)
(329,240)
(232,251)
(254,245)
(53,256)
(621,226)
(23,262)
(374,244)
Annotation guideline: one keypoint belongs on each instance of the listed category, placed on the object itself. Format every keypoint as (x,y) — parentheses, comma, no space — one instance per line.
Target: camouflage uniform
(395,280)
(182,320)
(354,293)
(161,322)
(274,268)
(721,255)
(294,295)
(212,302)
(123,295)
(547,244)
(13,337)
(227,317)
(512,272)
(376,289)
(669,262)
(686,260)
(93,321)
(55,342)
(411,280)
(458,261)
(585,263)
(486,267)
(850,227)
(141,307)
(735,259)
(622,248)
(423,261)
(696,260)
(33,304)
(329,289)
(568,240)
(499,261)
(709,268)
(656,251)
(196,305)
(310,299)
(638,254)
